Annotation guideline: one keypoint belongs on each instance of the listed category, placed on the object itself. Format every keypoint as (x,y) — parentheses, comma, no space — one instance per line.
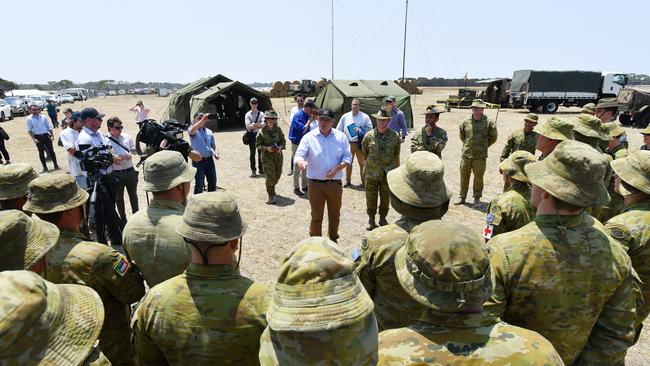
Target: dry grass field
(274,229)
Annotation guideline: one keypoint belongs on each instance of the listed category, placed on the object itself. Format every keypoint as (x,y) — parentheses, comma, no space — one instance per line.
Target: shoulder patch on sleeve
(355,254)
(617,233)
(121,266)
(364,243)
(488,231)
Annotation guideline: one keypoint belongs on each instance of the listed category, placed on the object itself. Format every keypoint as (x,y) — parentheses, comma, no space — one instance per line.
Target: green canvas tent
(338,95)
(179,104)
(230,101)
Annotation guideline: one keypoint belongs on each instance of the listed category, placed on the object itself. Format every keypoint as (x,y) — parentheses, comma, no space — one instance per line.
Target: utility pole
(404,53)
(332,2)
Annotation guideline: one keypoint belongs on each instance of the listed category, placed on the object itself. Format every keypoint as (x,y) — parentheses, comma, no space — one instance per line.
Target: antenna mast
(332,2)
(406,15)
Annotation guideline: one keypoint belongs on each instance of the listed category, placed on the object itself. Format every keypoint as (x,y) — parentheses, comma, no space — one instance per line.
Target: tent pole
(404,52)
(332,2)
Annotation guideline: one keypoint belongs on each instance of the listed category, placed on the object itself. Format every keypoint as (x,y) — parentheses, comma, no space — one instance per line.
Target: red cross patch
(488,231)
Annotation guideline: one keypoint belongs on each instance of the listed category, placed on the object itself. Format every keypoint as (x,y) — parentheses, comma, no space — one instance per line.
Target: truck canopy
(556,81)
(632,100)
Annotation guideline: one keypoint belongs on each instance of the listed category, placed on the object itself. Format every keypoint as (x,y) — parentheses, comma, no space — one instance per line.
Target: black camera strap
(117,142)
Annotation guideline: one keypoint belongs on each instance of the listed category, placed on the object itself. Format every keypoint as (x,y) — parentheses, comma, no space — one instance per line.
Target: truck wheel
(550,107)
(2,116)
(624,119)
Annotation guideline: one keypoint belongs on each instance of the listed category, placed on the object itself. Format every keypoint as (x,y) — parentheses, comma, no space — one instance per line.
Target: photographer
(202,140)
(123,145)
(141,112)
(96,157)
(254,121)
(68,140)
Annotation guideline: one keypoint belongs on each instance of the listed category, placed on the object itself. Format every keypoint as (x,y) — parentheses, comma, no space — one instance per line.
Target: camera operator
(68,139)
(202,140)
(123,145)
(95,151)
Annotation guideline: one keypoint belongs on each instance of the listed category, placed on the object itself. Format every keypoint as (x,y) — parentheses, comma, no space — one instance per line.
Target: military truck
(546,91)
(634,107)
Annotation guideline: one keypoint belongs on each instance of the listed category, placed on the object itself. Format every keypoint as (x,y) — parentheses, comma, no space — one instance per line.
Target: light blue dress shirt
(38,125)
(322,153)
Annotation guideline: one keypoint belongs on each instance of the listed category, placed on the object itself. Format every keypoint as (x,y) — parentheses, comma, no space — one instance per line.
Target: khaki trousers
(467,167)
(357,152)
(296,173)
(320,194)
(377,190)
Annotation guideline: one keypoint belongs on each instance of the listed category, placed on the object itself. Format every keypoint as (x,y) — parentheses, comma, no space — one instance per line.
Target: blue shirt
(38,125)
(398,122)
(322,153)
(297,127)
(51,109)
(202,141)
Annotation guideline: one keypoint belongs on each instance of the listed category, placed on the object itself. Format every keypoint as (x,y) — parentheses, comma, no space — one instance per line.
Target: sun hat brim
(399,184)
(41,238)
(511,169)
(34,205)
(165,184)
(629,172)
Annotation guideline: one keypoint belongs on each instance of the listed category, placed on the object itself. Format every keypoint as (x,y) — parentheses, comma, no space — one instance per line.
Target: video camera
(93,159)
(152,134)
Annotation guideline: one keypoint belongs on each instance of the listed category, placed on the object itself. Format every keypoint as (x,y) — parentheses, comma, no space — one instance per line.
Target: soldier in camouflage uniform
(551,133)
(430,137)
(14,180)
(524,139)
(589,108)
(210,314)
(150,235)
(511,209)
(617,148)
(477,134)
(270,142)
(446,268)
(381,148)
(46,324)
(646,138)
(417,192)
(320,313)
(632,227)
(562,275)
(25,241)
(58,199)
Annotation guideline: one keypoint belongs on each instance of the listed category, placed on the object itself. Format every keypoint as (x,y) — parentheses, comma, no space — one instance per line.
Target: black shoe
(347,184)
(253,174)
(305,189)
(45,170)
(298,192)
(290,173)
(57,168)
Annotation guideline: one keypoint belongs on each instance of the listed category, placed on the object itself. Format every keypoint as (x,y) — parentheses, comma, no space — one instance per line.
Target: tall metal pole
(404,54)
(332,2)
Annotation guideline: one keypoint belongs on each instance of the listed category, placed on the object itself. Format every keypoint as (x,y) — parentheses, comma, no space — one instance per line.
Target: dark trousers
(126,178)
(321,194)
(3,149)
(106,220)
(44,143)
(54,118)
(252,138)
(205,169)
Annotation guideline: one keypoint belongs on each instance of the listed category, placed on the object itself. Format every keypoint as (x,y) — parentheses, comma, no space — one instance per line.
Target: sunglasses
(118,127)
(253,102)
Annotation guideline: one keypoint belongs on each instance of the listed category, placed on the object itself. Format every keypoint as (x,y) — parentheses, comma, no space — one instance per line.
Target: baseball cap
(390,99)
(90,113)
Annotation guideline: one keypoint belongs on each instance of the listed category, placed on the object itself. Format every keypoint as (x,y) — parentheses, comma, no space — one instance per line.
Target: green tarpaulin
(338,95)
(179,104)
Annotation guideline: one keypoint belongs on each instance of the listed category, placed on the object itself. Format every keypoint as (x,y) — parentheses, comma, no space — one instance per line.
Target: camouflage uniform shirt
(464,339)
(152,242)
(434,143)
(375,266)
(382,153)
(270,138)
(618,152)
(477,136)
(206,316)
(77,261)
(566,279)
(632,229)
(519,140)
(508,211)
(615,204)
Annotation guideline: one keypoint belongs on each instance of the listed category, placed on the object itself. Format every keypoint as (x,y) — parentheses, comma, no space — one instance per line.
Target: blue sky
(180,41)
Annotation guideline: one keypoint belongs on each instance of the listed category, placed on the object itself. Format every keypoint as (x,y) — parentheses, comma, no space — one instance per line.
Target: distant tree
(7,85)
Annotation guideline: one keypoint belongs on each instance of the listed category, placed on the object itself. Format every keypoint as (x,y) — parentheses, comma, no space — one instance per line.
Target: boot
(459,201)
(382,221)
(371,223)
(477,201)
(253,174)
(272,200)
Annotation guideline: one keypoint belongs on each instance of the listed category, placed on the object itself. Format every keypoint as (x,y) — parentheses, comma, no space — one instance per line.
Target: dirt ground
(274,229)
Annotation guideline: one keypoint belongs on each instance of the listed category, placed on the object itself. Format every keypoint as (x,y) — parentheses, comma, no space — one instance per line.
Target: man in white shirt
(300,99)
(141,112)
(123,145)
(324,153)
(40,130)
(69,138)
(354,125)
(254,121)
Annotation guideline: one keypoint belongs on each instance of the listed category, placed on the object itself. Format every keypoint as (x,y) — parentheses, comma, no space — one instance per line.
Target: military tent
(179,104)
(338,95)
(230,101)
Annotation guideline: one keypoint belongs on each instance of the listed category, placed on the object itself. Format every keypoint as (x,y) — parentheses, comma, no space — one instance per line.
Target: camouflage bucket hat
(165,170)
(445,266)
(14,180)
(646,130)
(419,181)
(589,108)
(433,109)
(573,172)
(24,240)
(514,165)
(607,103)
(317,290)
(614,129)
(478,103)
(591,126)
(271,114)
(212,217)
(420,213)
(54,193)
(634,170)
(555,128)
(382,114)
(532,118)
(47,324)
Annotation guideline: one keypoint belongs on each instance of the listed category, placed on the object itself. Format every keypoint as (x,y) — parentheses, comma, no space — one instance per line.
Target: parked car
(5,111)
(67,98)
(55,98)
(78,96)
(19,105)
(112,93)
(39,100)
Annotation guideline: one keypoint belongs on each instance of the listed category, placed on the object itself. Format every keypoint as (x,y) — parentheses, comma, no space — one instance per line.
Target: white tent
(25,92)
